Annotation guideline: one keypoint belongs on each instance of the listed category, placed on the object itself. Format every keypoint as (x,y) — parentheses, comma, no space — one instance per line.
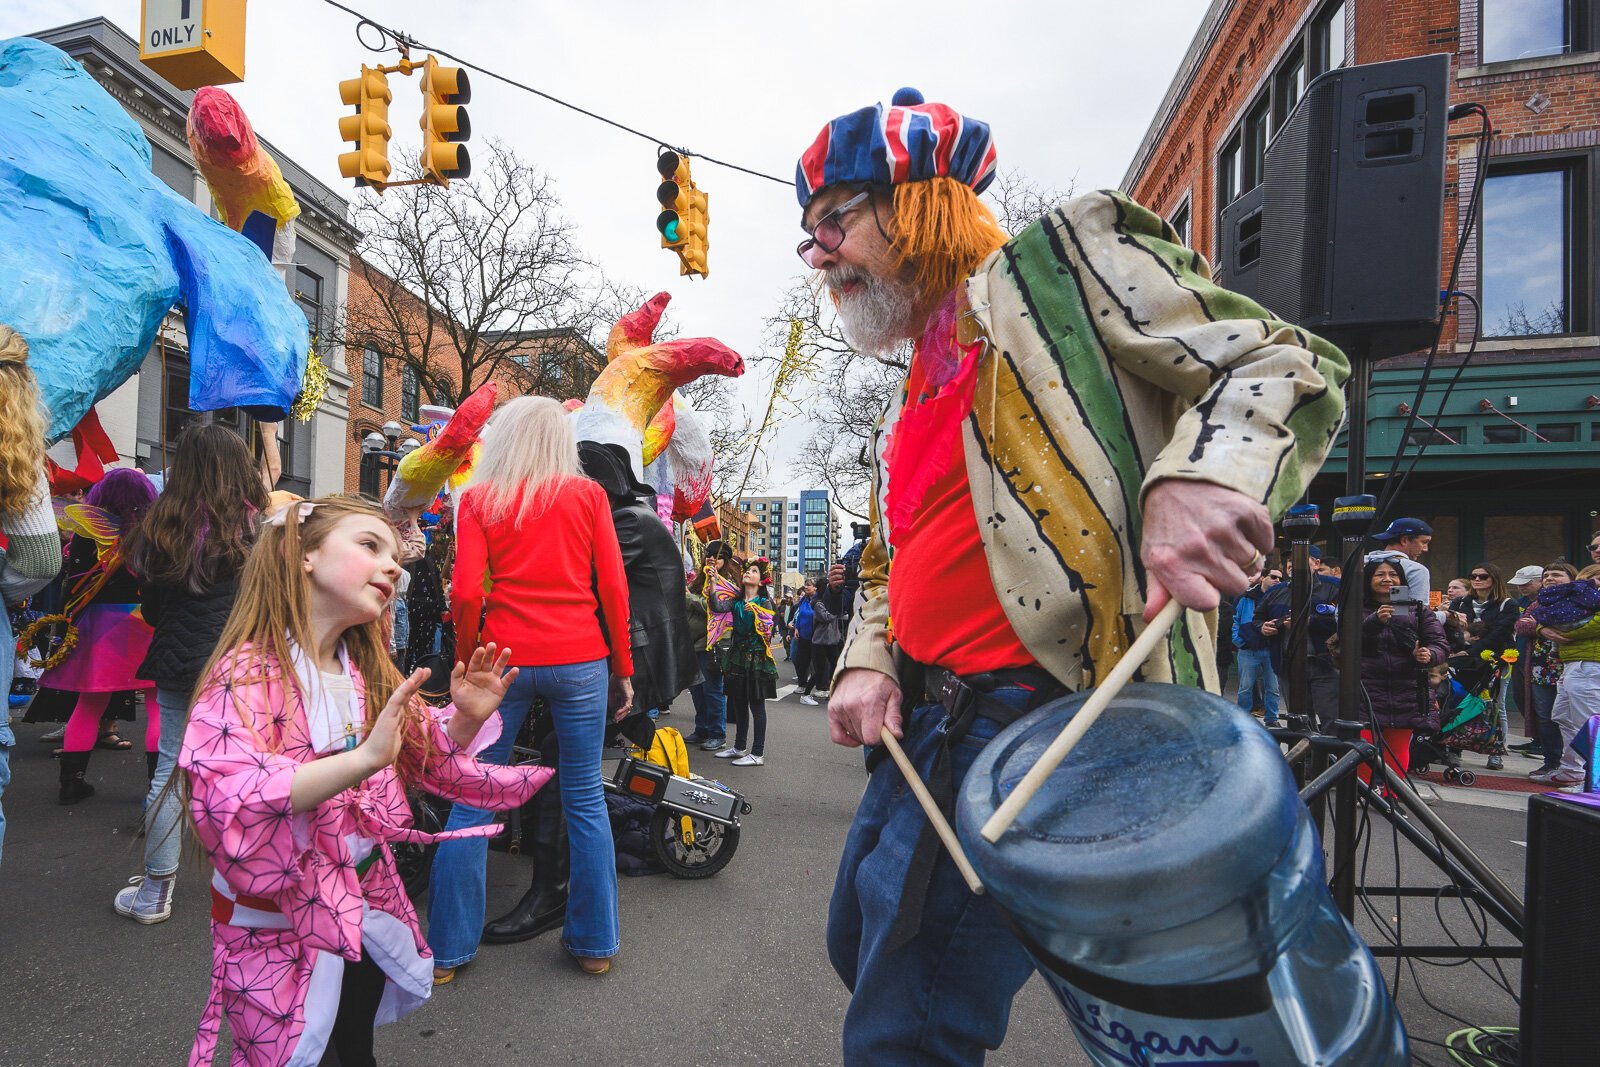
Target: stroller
(1472,718)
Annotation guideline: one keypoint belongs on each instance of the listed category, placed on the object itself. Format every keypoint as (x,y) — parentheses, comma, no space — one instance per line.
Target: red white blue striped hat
(908,141)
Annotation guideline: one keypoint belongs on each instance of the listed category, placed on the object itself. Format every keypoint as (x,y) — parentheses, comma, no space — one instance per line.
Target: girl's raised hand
(478,686)
(382,746)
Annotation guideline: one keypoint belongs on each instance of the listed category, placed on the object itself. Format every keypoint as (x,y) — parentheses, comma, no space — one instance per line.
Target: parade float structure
(96,250)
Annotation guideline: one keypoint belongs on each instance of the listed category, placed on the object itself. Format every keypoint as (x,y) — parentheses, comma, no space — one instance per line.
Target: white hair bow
(279,516)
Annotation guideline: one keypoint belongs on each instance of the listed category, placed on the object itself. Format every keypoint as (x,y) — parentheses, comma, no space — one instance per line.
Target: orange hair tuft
(942,231)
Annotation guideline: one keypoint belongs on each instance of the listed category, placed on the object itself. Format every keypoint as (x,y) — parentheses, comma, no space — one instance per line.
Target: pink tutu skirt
(112,642)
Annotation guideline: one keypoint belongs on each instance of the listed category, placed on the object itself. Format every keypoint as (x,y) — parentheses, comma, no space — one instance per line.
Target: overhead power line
(412,42)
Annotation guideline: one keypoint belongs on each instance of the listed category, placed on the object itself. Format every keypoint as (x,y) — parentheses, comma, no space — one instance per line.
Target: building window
(1180,222)
(410,395)
(1502,435)
(761,507)
(1256,135)
(1531,251)
(1558,432)
(1288,86)
(308,294)
(1327,39)
(1528,29)
(372,377)
(1440,435)
(1228,171)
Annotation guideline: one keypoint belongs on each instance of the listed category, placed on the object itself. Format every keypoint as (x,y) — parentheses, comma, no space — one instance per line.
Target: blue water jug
(1169,885)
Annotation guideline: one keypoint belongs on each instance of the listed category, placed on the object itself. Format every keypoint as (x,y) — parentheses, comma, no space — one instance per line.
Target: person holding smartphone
(1399,642)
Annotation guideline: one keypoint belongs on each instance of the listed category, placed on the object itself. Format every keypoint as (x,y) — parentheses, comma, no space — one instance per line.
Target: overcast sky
(1066,86)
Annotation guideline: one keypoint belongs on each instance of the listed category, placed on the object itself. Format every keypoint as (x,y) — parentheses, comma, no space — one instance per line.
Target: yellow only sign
(192,43)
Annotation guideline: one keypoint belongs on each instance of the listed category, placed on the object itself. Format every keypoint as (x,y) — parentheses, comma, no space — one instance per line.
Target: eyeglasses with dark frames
(828,233)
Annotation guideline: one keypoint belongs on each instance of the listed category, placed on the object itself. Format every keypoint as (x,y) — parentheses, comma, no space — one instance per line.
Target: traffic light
(682,222)
(368,128)
(673,196)
(693,253)
(444,122)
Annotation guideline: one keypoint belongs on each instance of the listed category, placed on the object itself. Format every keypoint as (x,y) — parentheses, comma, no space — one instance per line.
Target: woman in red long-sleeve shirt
(537,562)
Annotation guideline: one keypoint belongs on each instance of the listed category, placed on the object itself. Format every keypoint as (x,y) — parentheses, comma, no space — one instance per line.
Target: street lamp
(382,452)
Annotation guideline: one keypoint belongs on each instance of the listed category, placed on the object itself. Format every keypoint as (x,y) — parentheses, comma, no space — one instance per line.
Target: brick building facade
(388,388)
(1525,404)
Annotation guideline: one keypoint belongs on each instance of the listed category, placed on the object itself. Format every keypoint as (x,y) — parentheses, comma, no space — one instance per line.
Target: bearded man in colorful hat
(1089,427)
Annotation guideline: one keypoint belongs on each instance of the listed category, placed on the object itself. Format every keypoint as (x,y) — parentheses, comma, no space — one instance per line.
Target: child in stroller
(1466,721)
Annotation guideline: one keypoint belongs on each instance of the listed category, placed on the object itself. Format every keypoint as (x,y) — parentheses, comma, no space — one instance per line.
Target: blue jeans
(8,740)
(576,693)
(163,811)
(711,706)
(1255,665)
(945,996)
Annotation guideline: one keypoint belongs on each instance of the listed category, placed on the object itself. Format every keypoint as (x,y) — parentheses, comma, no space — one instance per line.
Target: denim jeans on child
(163,811)
(711,711)
(576,693)
(945,996)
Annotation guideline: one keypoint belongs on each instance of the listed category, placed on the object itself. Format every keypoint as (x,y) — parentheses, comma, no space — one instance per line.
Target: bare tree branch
(483,280)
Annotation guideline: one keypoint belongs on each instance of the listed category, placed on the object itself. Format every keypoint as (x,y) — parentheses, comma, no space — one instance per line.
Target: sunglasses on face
(1276,577)
(1480,577)
(828,234)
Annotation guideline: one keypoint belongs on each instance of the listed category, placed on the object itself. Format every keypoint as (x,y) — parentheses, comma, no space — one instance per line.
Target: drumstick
(935,816)
(1073,732)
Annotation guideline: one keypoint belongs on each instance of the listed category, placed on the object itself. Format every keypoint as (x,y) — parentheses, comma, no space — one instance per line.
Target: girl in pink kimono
(296,782)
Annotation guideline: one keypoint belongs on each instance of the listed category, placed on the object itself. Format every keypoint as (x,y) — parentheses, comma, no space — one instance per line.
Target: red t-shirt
(942,603)
(546,579)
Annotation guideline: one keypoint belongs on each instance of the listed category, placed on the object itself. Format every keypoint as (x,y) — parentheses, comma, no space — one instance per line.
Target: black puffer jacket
(187,627)
(1396,684)
(664,663)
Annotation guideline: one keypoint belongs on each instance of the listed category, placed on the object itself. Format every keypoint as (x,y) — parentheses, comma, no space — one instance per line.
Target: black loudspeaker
(1560,966)
(1342,235)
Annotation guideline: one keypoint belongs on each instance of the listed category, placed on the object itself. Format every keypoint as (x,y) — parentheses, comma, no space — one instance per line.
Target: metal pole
(1301,525)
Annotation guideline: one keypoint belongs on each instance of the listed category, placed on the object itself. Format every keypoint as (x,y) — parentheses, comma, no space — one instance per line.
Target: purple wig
(125,493)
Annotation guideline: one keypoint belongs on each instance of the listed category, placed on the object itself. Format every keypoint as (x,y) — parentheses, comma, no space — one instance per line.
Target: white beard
(876,317)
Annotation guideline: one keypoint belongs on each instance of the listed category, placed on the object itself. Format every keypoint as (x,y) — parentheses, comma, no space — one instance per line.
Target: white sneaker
(145,900)
(808,700)
(730,753)
(749,761)
(1565,777)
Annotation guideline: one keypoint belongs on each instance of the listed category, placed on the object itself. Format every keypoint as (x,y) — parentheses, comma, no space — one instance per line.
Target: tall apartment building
(1512,457)
(800,535)
(143,417)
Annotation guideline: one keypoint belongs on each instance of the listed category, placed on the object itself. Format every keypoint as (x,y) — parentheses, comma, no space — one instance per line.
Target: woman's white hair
(529,451)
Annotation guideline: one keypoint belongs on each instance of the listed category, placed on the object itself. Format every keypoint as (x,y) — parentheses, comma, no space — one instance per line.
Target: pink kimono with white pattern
(289,883)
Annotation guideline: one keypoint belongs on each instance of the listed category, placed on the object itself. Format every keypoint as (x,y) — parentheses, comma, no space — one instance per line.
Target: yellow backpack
(667,750)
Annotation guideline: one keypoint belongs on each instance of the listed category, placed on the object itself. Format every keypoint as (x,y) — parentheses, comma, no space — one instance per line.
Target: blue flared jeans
(576,693)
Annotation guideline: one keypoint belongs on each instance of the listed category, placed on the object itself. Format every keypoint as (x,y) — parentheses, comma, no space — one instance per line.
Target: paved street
(726,971)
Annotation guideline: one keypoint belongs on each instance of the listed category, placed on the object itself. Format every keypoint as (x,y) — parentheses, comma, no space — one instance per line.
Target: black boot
(74,765)
(544,906)
(150,761)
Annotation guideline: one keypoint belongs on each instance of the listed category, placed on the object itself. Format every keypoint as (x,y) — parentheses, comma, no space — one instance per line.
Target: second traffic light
(368,127)
(444,122)
(683,220)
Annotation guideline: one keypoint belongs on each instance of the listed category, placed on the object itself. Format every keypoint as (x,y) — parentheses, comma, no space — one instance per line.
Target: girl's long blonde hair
(529,452)
(22,425)
(273,608)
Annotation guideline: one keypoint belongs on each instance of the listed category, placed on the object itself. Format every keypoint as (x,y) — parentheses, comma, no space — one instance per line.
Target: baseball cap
(1525,575)
(1403,528)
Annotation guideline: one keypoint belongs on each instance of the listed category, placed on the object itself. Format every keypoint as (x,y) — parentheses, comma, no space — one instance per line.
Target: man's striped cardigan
(1111,362)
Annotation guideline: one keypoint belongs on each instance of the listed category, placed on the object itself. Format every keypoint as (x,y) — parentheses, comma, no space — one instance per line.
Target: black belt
(966,699)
